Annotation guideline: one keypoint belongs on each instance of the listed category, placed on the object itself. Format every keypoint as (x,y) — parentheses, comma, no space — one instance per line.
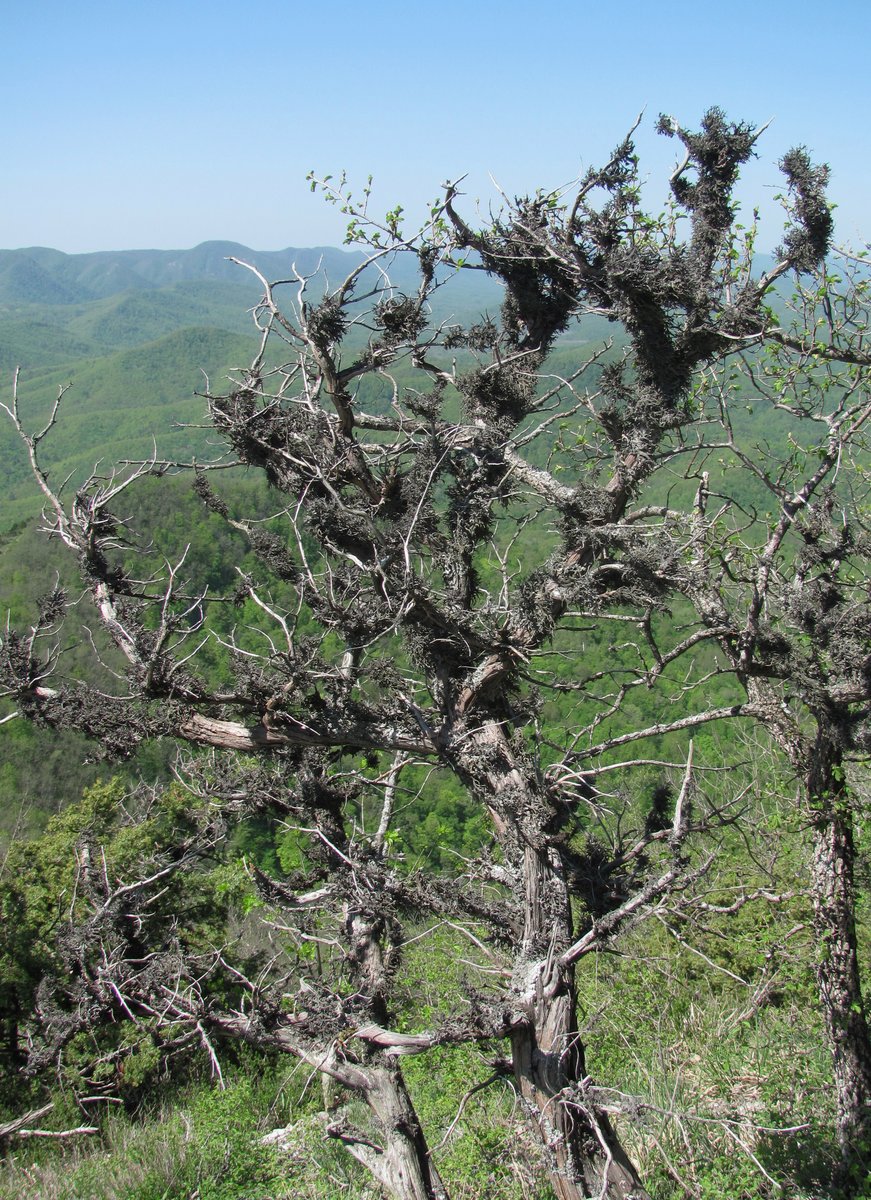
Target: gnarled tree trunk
(837,966)
(583,1155)
(400,1158)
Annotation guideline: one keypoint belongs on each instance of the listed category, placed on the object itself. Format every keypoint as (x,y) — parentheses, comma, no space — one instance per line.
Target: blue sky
(166,124)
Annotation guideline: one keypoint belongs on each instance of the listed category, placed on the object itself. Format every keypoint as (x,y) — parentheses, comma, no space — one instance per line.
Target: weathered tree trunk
(398,1156)
(399,1159)
(583,1155)
(391,1145)
(837,967)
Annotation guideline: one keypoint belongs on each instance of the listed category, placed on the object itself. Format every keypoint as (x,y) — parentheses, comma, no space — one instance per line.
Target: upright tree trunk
(400,1160)
(584,1156)
(398,1156)
(582,1153)
(837,968)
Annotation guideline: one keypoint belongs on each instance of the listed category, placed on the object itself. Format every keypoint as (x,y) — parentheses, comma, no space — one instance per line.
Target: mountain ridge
(41,274)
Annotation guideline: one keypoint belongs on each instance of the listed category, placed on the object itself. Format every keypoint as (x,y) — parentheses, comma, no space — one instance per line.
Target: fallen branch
(58,1133)
(13,1127)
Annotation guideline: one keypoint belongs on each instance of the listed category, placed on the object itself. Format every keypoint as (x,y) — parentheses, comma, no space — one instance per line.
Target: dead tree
(397,542)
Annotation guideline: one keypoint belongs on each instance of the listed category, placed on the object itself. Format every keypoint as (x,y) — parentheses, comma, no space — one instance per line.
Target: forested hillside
(137,337)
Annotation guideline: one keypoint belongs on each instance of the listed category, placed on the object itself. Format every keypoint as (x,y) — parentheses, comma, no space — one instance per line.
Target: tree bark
(837,967)
(393,1146)
(583,1155)
(400,1160)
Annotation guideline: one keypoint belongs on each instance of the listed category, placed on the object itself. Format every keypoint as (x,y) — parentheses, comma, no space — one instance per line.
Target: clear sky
(163,124)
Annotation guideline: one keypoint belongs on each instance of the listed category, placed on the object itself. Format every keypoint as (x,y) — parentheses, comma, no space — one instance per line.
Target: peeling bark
(401,1162)
(583,1154)
(581,1151)
(837,966)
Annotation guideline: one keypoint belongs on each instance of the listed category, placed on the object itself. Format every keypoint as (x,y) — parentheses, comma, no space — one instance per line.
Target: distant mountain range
(57,307)
(40,275)
(138,332)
